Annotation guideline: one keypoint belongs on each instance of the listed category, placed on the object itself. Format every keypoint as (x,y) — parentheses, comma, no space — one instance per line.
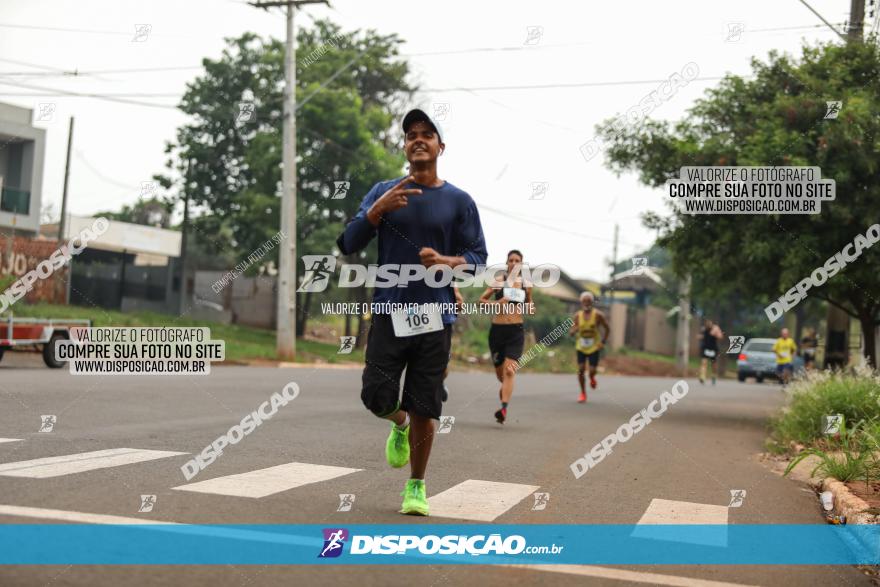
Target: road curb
(847,503)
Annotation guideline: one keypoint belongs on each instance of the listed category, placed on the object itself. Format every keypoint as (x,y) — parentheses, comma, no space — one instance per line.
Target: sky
(515,150)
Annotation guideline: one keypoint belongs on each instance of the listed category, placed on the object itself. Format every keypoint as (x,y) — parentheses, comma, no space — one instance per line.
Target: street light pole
(285,321)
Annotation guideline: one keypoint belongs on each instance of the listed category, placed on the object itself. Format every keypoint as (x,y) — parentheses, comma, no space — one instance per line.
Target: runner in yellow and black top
(785,348)
(588,343)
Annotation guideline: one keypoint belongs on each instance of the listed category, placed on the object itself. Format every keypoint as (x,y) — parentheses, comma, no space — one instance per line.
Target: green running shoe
(415,502)
(397,447)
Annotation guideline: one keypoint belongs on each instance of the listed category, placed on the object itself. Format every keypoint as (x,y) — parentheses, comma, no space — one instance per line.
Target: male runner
(506,334)
(420,219)
(588,345)
(785,348)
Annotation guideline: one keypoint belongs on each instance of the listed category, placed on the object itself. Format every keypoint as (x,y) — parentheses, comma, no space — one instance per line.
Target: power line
(435,90)
(465,51)
(61,29)
(564,85)
(107,95)
(101,176)
(61,92)
(532,222)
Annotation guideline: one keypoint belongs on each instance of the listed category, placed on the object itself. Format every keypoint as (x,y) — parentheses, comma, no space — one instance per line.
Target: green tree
(147,211)
(776,118)
(351,89)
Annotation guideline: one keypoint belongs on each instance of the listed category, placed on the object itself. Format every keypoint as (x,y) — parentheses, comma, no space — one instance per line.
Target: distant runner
(785,349)
(588,345)
(809,342)
(710,335)
(506,335)
(420,219)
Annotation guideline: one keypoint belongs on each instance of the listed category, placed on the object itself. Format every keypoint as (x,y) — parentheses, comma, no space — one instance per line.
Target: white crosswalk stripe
(664,512)
(263,482)
(81,462)
(482,501)
(667,511)
(2,440)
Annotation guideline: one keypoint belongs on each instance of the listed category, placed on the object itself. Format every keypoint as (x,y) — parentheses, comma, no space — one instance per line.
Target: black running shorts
(506,342)
(424,356)
(593,358)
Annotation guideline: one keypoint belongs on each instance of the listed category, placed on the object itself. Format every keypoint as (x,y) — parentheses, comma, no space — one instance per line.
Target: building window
(15,201)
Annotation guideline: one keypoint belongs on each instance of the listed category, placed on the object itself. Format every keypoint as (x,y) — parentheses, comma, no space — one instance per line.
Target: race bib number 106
(416,320)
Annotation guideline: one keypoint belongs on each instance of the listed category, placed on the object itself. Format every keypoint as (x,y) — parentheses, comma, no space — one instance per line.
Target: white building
(22,149)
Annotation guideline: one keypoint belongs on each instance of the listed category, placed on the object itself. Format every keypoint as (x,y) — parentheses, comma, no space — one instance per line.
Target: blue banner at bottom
(485,544)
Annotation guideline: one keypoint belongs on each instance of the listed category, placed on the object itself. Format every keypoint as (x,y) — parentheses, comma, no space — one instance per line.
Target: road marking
(666,511)
(482,501)
(200,530)
(263,482)
(623,575)
(81,462)
(2,440)
(670,512)
(73,517)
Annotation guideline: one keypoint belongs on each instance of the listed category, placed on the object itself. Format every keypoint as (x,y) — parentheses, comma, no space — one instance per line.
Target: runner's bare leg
(509,370)
(421,437)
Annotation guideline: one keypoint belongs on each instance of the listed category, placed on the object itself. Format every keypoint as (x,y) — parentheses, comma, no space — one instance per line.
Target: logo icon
(142,32)
(833,109)
(148,189)
(246,112)
(346,500)
(318,270)
(446,424)
(541,501)
(639,265)
(48,423)
(346,345)
(340,190)
(735,32)
(832,424)
(539,190)
(440,111)
(533,35)
(334,541)
(736,344)
(147,503)
(737,496)
(45,111)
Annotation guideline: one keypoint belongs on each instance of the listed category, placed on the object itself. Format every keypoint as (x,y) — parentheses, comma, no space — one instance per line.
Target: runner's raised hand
(394,199)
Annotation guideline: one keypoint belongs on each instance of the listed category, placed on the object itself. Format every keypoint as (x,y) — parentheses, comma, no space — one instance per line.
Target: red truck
(36,334)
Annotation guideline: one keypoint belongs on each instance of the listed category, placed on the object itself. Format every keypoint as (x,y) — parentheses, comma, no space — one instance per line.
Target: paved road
(703,447)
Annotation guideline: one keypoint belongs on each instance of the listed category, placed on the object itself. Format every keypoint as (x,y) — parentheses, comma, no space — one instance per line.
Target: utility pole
(285,322)
(856,24)
(683,333)
(62,224)
(184,229)
(614,264)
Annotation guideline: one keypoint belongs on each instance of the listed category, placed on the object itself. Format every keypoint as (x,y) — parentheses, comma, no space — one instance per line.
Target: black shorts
(424,356)
(506,342)
(593,358)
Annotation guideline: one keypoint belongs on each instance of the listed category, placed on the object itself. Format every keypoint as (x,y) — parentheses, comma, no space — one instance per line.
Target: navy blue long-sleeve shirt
(444,218)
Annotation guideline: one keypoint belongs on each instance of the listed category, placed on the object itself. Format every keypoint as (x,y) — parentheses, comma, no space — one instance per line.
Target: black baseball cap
(417,115)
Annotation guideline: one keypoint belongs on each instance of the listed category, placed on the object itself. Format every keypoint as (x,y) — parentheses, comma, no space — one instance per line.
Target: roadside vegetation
(849,449)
